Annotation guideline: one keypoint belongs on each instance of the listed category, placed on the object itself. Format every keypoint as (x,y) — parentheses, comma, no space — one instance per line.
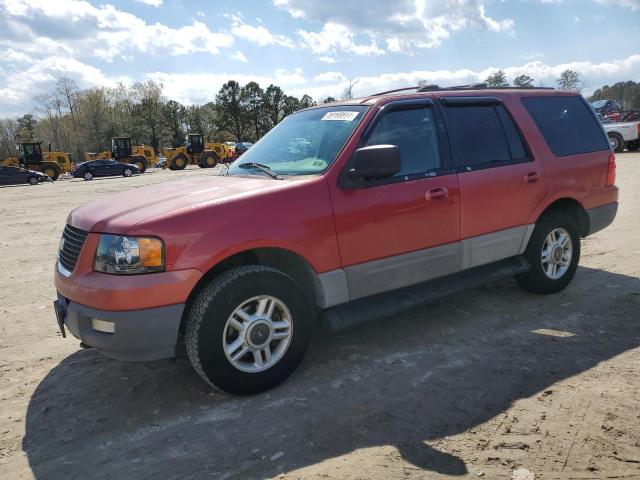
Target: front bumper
(138,335)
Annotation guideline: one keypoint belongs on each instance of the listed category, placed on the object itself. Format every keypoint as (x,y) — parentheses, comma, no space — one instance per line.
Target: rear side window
(414,132)
(567,124)
(484,135)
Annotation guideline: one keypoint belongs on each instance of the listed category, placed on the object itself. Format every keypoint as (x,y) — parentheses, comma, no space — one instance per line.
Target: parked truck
(623,135)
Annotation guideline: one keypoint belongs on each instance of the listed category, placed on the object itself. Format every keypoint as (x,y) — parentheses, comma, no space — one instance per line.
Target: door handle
(531,177)
(439,193)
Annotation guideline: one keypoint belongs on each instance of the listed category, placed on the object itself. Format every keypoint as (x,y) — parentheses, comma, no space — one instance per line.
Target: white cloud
(153,3)
(335,38)
(327,59)
(402,26)
(593,74)
(632,4)
(330,77)
(22,84)
(260,34)
(191,88)
(238,55)
(285,78)
(104,31)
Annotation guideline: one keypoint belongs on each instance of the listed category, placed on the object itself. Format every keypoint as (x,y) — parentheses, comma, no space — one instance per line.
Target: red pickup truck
(338,208)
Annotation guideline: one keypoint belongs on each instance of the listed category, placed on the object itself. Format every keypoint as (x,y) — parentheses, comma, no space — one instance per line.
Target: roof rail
(471,86)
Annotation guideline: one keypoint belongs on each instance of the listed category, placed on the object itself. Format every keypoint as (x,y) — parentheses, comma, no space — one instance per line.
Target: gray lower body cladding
(138,335)
(601,217)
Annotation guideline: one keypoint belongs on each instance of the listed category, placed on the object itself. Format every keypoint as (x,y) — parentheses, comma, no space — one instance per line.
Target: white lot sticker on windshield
(344,116)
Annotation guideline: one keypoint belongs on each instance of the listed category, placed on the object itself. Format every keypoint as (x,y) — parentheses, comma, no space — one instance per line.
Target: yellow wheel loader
(141,156)
(53,164)
(197,152)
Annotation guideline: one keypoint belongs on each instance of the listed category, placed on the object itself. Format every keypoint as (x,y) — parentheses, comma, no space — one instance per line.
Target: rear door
(501,183)
(112,167)
(404,229)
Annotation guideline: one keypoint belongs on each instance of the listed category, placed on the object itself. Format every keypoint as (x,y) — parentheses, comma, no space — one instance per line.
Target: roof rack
(471,86)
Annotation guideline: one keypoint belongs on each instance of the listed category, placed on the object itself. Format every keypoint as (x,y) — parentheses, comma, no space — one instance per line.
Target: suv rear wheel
(248,330)
(553,252)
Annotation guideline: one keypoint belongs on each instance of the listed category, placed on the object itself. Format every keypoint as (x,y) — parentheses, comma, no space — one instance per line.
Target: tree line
(78,120)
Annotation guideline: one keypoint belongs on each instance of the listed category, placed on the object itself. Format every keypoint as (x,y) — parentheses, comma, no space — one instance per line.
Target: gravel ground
(496,383)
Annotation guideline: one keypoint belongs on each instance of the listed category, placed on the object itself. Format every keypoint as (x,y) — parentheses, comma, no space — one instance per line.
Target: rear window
(485,136)
(567,124)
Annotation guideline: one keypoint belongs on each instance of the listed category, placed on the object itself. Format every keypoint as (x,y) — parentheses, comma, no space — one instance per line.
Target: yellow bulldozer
(32,157)
(141,156)
(198,152)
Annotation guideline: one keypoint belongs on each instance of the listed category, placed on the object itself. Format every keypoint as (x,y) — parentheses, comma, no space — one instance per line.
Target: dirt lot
(478,386)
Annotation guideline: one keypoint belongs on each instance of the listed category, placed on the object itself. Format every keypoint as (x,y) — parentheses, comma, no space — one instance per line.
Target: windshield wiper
(262,168)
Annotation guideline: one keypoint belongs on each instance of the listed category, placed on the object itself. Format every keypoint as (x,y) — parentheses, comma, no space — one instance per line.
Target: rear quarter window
(568,125)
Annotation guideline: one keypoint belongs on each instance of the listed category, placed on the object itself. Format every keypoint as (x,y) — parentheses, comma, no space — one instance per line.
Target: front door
(404,229)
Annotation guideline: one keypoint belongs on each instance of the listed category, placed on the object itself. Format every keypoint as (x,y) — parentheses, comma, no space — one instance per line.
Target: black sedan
(103,168)
(16,176)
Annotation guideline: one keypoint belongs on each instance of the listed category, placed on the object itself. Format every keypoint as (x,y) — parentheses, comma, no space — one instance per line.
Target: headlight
(129,255)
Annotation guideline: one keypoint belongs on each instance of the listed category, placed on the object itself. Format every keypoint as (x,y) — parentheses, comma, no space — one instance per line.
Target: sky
(309,46)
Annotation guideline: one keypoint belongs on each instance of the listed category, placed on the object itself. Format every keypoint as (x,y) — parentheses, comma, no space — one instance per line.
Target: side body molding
(383,275)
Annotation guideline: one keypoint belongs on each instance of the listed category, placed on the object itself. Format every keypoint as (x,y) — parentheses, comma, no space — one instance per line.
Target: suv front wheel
(248,329)
(553,252)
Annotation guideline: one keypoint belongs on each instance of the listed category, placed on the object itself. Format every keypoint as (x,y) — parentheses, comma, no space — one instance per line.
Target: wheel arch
(282,259)
(574,208)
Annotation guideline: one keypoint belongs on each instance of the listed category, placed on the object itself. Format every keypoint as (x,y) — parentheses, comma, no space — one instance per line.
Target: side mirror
(372,163)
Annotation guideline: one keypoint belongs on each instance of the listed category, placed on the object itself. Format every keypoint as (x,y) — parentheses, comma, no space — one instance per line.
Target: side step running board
(391,303)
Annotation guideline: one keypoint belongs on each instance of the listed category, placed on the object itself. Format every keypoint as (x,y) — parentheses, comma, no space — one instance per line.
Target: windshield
(304,143)
(598,103)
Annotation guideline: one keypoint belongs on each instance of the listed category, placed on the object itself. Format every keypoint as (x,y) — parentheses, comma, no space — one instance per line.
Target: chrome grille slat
(74,239)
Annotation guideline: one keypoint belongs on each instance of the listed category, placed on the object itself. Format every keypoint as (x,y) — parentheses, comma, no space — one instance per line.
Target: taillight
(611,171)
(638,125)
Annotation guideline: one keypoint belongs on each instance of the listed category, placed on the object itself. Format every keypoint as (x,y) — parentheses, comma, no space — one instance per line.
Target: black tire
(633,146)
(33,180)
(208,315)
(617,142)
(127,172)
(179,162)
(209,160)
(52,171)
(536,280)
(87,176)
(141,163)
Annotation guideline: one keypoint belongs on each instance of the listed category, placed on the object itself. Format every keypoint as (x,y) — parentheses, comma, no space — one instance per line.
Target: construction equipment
(32,157)
(198,152)
(142,156)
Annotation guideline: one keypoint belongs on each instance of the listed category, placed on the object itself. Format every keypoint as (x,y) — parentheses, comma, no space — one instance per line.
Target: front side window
(304,143)
(567,124)
(483,135)
(413,130)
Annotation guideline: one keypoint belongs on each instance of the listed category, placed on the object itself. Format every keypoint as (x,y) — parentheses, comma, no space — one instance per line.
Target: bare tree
(8,137)
(347,93)
(150,110)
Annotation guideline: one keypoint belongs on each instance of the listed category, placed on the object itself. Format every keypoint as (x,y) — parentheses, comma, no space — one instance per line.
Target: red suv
(363,204)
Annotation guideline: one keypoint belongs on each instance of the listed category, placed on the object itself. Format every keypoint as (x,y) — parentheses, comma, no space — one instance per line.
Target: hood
(119,213)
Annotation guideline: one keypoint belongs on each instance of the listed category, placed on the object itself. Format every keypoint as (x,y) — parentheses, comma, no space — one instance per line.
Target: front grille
(73,240)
